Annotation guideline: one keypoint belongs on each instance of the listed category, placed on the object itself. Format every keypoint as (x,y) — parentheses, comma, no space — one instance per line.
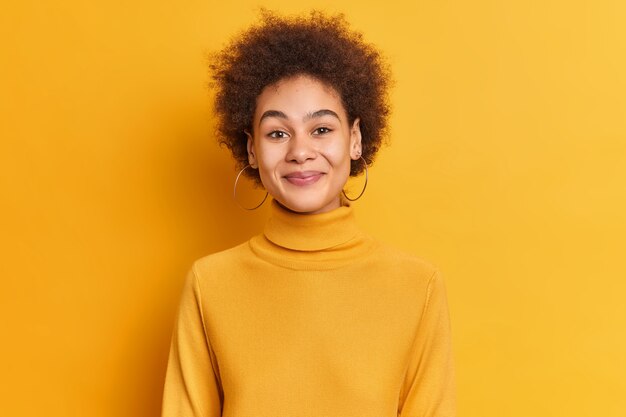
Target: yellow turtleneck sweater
(312,318)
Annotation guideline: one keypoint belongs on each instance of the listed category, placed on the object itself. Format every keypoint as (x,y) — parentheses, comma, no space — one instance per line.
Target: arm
(192,386)
(429,388)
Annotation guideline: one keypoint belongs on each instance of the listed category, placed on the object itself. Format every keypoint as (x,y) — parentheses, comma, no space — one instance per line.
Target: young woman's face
(302,144)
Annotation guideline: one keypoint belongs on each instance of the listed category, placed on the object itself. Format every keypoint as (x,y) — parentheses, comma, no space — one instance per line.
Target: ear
(355,139)
(250,147)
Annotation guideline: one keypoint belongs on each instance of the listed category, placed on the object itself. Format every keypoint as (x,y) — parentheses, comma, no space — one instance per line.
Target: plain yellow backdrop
(507,169)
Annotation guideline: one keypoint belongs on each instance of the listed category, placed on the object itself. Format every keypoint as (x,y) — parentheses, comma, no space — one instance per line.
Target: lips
(304,177)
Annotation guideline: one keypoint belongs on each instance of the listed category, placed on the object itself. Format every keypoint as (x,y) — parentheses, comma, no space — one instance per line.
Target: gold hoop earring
(235,191)
(364,186)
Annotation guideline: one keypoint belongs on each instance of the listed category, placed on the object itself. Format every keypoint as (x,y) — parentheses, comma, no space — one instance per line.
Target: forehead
(297,96)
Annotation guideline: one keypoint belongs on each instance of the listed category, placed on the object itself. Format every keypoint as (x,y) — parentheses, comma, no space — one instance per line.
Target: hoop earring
(364,187)
(235,192)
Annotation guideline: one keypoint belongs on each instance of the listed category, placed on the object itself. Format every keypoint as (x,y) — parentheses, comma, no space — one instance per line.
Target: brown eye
(277,134)
(322,130)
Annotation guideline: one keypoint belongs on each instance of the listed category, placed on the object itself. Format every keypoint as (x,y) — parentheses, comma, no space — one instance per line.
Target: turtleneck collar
(310,232)
(311,241)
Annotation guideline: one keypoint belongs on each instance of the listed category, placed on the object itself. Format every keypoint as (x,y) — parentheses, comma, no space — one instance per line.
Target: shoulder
(403,258)
(400,270)
(414,280)
(220,263)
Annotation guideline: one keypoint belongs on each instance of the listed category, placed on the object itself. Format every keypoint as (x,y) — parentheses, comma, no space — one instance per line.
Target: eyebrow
(273,113)
(309,116)
(320,113)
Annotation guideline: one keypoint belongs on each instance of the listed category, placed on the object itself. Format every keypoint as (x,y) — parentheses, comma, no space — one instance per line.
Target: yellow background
(507,169)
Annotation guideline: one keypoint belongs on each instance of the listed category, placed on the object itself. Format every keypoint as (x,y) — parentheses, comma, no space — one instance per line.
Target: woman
(312,317)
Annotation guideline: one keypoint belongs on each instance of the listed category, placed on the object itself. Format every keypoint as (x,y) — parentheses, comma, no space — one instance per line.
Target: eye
(322,130)
(277,134)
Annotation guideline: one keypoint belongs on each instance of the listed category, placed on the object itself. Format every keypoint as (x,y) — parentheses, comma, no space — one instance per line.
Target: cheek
(268,159)
(338,154)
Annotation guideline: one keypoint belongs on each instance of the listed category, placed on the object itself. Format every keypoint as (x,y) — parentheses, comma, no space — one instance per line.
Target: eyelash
(274,134)
(327,130)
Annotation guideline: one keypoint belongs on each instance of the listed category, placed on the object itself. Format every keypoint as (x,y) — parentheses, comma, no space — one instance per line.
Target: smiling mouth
(304,178)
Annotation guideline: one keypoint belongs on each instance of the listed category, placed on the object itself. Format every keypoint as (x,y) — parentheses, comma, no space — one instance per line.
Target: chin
(307,204)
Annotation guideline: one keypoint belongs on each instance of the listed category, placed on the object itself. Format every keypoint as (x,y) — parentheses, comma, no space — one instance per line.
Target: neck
(311,231)
(322,240)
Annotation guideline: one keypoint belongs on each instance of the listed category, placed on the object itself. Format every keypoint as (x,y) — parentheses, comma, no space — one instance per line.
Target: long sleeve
(192,385)
(429,389)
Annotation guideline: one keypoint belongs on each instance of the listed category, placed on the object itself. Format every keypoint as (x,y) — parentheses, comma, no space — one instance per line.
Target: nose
(300,148)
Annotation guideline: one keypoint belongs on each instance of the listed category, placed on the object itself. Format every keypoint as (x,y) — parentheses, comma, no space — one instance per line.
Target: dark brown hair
(319,45)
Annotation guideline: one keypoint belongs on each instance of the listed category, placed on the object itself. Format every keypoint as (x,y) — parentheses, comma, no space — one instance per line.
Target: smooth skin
(302,144)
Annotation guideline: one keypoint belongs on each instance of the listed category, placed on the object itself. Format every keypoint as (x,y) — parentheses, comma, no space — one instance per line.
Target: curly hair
(318,45)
